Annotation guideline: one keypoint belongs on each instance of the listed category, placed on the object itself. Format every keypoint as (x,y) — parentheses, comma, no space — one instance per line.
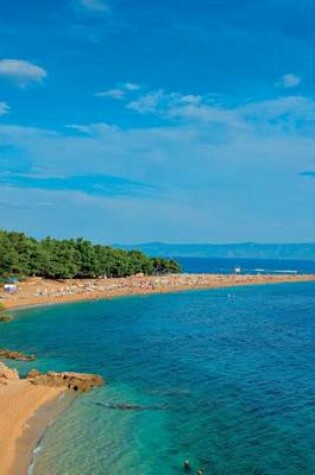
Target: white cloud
(4,108)
(22,72)
(119,91)
(289,80)
(191,99)
(150,102)
(207,178)
(210,162)
(130,86)
(185,107)
(93,129)
(281,112)
(94,5)
(114,93)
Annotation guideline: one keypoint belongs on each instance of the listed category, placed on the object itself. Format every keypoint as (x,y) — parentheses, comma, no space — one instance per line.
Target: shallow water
(224,378)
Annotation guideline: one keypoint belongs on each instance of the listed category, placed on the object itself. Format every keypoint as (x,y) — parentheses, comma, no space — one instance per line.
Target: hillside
(237,250)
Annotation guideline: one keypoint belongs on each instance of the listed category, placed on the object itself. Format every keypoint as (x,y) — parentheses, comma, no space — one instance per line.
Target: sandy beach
(19,402)
(38,291)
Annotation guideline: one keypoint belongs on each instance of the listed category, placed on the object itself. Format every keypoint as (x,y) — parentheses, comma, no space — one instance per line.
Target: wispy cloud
(288,111)
(206,157)
(289,81)
(114,93)
(22,72)
(150,102)
(130,86)
(120,91)
(94,185)
(94,129)
(4,108)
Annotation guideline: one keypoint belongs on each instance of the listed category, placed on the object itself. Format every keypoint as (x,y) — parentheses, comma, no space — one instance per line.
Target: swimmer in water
(187,466)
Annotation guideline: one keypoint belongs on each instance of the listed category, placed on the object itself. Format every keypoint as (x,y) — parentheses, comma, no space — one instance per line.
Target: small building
(10,288)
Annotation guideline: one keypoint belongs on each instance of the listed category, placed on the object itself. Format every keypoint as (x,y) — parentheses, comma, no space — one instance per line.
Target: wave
(276,271)
(35,452)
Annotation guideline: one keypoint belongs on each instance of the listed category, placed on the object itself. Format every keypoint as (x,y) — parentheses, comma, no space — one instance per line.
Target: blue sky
(179,121)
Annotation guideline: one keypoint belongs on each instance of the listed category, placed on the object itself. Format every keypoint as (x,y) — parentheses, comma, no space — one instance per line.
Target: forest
(23,256)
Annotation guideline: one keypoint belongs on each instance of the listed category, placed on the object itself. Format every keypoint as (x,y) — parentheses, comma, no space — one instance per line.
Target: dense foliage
(24,256)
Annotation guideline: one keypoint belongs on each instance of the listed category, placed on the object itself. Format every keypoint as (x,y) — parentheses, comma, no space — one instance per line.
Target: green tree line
(24,256)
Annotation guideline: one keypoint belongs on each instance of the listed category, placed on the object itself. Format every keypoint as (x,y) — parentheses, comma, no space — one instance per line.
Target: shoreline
(37,292)
(42,419)
(20,403)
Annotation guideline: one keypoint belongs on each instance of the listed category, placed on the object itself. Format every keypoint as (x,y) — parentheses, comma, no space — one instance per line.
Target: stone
(74,381)
(8,374)
(16,355)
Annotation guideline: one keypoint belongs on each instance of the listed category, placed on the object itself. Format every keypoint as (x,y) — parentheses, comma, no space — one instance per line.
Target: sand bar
(38,291)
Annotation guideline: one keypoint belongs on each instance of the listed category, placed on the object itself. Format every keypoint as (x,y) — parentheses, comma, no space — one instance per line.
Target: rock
(74,381)
(16,355)
(5,318)
(8,374)
(33,373)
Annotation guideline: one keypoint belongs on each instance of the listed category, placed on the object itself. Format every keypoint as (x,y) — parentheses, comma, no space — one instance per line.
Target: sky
(128,121)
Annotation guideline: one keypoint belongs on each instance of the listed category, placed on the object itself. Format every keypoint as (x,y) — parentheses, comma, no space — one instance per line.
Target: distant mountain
(237,250)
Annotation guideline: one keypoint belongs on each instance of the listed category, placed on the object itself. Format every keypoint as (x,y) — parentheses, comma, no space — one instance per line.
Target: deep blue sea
(196,265)
(224,378)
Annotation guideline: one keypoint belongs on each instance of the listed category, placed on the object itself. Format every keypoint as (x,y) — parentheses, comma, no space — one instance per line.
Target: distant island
(24,256)
(247,250)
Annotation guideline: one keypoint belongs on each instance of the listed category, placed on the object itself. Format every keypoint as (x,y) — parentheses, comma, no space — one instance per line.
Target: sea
(223,378)
(196,265)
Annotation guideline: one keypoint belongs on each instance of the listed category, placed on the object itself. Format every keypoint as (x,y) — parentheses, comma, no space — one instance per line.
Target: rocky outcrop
(16,355)
(74,381)
(8,374)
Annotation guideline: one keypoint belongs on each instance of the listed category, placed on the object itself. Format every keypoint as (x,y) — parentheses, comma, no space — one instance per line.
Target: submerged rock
(8,374)
(16,355)
(5,318)
(127,406)
(75,381)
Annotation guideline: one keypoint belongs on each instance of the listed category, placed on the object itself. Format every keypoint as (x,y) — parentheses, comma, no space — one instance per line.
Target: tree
(73,258)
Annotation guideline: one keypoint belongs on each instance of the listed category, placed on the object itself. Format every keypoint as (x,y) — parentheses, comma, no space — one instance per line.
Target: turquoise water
(224,376)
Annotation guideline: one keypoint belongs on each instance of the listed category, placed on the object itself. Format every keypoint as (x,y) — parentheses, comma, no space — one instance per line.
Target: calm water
(196,265)
(224,376)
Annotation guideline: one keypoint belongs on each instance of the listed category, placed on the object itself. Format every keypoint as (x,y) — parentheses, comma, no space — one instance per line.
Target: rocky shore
(38,291)
(74,381)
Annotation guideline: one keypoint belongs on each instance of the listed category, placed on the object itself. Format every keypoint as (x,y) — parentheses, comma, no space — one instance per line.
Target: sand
(38,291)
(19,401)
